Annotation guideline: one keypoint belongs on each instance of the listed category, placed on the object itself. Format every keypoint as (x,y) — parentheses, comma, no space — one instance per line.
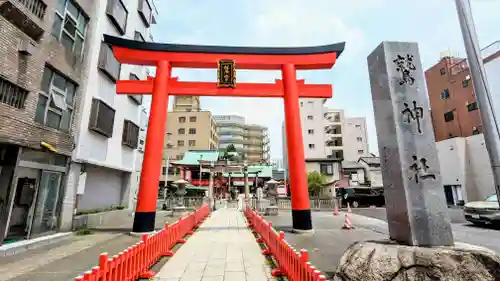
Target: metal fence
(189,202)
(317,203)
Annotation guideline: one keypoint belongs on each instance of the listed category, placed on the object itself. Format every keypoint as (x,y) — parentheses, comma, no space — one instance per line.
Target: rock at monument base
(388,261)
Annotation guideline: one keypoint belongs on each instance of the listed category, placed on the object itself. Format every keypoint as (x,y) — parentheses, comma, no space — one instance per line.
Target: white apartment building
(346,137)
(328,134)
(107,158)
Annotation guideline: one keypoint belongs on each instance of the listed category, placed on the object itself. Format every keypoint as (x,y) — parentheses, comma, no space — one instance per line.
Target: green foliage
(83,231)
(315,181)
(95,211)
(230,148)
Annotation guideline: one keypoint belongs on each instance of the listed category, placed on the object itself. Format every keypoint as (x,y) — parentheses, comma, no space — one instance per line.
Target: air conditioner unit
(26,47)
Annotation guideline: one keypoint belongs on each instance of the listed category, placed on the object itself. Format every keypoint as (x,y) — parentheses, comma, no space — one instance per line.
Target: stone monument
(421,246)
(414,195)
(272,194)
(179,209)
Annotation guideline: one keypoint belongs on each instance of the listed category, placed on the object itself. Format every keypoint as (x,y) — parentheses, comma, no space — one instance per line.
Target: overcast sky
(362,24)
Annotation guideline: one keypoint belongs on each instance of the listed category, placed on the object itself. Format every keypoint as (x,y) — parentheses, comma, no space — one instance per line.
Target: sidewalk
(223,249)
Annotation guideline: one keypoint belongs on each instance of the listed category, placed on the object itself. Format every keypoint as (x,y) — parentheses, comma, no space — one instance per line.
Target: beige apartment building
(188,128)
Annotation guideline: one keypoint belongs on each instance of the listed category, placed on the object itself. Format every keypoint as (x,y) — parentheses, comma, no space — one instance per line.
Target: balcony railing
(27,15)
(36,7)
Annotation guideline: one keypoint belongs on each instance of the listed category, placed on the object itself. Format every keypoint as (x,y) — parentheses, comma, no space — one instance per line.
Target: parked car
(483,212)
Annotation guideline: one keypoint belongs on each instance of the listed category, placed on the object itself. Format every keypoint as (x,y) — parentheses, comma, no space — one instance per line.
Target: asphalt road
(329,241)
(456,214)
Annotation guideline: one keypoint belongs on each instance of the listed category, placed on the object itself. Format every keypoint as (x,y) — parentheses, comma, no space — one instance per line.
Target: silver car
(483,212)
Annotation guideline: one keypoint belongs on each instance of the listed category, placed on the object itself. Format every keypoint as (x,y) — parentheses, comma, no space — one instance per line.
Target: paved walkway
(223,249)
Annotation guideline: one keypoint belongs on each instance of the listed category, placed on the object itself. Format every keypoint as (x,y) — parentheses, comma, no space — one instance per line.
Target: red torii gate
(166,56)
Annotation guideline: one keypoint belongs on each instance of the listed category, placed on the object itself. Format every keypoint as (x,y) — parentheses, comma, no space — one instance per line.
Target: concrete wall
(314,108)
(465,162)
(355,138)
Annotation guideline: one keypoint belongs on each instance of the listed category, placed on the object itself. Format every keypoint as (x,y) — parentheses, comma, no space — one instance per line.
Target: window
(359,139)
(118,15)
(465,83)
(301,103)
(472,106)
(138,36)
(163,170)
(442,71)
(108,63)
(180,143)
(70,25)
(310,117)
(311,146)
(310,102)
(182,119)
(55,102)
(11,94)
(360,152)
(445,94)
(192,131)
(136,98)
(102,118)
(326,169)
(130,135)
(181,131)
(179,157)
(192,119)
(145,12)
(310,132)
(192,142)
(357,126)
(448,116)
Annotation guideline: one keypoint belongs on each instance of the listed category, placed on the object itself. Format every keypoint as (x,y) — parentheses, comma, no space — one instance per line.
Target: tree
(315,181)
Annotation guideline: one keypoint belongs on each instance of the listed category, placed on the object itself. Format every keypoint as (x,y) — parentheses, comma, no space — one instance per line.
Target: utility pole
(484,101)
(167,162)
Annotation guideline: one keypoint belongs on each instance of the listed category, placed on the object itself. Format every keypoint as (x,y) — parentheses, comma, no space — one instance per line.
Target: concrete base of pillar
(302,231)
(140,234)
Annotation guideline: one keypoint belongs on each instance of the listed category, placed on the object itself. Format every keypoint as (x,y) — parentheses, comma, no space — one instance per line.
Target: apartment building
(43,73)
(103,172)
(188,128)
(347,138)
(250,140)
(454,109)
(329,137)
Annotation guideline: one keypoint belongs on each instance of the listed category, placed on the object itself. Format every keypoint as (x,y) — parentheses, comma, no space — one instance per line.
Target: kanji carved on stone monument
(416,114)
(420,170)
(405,67)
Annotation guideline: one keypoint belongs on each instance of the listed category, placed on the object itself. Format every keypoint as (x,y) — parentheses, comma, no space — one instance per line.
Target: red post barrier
(135,261)
(290,263)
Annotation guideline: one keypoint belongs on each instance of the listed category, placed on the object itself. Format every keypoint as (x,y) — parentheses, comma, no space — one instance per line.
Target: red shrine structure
(226,60)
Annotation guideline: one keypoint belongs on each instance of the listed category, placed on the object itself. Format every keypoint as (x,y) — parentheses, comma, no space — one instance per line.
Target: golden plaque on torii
(226,74)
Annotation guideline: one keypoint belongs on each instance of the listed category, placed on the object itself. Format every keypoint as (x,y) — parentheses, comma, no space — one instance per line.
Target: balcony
(332,117)
(27,15)
(333,130)
(231,132)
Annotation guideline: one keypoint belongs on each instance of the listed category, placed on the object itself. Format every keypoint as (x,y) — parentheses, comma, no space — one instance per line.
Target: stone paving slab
(223,249)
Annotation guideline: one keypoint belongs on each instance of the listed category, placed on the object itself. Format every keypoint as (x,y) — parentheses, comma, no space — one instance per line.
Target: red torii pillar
(165,56)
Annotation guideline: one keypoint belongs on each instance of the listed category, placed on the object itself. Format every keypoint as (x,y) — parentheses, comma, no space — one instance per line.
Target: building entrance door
(45,217)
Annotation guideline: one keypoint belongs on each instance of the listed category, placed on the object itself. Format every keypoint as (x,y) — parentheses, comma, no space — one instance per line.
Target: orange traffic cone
(349,208)
(347,223)
(335,209)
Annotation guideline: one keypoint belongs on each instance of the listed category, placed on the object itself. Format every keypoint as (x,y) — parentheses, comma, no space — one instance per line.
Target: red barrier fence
(135,261)
(295,266)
